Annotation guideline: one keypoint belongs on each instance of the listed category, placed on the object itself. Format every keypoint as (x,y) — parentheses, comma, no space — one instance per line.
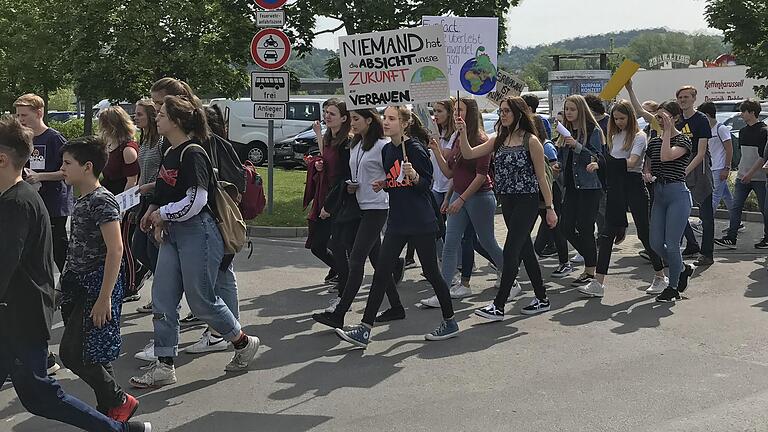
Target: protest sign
(394,67)
(471,45)
(619,78)
(506,85)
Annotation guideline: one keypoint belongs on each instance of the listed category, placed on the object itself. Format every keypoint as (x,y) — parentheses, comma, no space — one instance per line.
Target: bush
(73,128)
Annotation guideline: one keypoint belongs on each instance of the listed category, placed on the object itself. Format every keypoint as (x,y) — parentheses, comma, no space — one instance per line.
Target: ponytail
(190,117)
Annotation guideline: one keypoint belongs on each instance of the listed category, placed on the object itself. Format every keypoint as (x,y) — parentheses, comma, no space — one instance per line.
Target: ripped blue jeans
(188,263)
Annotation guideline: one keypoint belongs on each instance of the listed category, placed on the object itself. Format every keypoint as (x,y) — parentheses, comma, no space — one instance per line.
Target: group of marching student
(179,159)
(385,171)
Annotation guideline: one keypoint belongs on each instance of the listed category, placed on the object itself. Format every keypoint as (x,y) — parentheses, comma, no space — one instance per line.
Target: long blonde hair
(116,126)
(632,128)
(584,118)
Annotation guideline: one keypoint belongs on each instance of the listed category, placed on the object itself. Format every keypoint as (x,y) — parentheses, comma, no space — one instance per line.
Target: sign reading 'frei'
(394,67)
(471,45)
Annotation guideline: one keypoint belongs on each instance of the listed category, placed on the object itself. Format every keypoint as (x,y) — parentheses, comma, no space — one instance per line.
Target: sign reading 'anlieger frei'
(394,67)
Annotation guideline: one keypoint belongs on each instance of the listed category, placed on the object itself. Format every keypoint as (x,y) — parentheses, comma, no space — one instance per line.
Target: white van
(249,136)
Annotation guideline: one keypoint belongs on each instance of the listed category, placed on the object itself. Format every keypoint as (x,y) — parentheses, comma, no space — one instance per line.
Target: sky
(582,18)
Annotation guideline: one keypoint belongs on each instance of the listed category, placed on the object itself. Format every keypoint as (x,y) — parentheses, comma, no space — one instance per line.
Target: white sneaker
(658,285)
(332,304)
(577,259)
(207,343)
(147,354)
(593,289)
(460,291)
(515,291)
(244,357)
(432,302)
(158,375)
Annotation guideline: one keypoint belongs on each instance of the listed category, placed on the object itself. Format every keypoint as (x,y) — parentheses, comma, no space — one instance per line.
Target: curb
(748,216)
(277,232)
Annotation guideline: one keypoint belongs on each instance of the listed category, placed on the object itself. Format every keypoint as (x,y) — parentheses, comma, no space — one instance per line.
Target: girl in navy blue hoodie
(411,219)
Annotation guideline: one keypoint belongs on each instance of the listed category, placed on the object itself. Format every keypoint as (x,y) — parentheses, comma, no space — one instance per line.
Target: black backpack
(226,164)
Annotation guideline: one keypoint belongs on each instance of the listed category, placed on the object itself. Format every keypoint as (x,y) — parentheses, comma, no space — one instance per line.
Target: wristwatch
(548,207)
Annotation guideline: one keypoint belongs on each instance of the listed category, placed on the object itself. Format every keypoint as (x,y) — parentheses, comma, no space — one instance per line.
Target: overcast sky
(536,22)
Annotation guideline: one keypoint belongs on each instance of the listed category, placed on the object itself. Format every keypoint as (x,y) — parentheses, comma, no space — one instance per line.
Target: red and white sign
(271,4)
(270,48)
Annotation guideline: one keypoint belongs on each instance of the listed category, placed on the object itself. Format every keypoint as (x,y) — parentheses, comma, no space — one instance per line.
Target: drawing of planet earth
(428,74)
(478,75)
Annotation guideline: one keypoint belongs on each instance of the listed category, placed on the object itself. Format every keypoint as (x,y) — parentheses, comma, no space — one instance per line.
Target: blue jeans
(669,217)
(190,260)
(479,211)
(740,193)
(42,395)
(720,191)
(226,288)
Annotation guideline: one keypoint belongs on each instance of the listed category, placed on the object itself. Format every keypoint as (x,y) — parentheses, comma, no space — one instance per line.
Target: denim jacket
(582,156)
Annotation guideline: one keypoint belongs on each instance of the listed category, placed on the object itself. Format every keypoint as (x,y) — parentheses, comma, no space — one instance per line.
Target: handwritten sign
(128,199)
(394,67)
(471,44)
(507,85)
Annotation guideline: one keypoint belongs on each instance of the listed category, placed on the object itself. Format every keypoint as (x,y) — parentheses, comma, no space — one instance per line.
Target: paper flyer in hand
(128,199)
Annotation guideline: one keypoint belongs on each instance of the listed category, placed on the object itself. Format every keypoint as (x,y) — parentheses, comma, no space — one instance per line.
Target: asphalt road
(623,363)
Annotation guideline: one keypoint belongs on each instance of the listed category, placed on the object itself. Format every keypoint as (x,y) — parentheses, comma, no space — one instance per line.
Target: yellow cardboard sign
(619,78)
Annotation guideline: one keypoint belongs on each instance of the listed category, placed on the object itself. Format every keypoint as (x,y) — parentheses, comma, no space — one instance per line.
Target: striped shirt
(149,162)
(671,171)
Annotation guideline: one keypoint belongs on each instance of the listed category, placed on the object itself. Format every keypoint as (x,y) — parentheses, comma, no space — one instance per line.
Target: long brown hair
(343,134)
(522,120)
(632,128)
(190,117)
(585,119)
(474,121)
(149,135)
(175,87)
(115,127)
(450,127)
(375,130)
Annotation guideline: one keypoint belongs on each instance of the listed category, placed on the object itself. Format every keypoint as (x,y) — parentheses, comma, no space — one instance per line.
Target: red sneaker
(125,411)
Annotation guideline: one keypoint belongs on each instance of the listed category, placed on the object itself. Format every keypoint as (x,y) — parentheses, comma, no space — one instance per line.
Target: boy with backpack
(721,151)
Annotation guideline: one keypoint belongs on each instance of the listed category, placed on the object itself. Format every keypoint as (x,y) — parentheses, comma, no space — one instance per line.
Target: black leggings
(365,242)
(520,211)
(390,252)
(635,195)
(578,222)
(321,236)
(99,376)
(547,235)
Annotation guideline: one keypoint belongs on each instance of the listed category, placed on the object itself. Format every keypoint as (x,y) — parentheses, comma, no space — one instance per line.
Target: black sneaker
(132,298)
(703,261)
(330,319)
(583,279)
(687,272)
(410,263)
(668,295)
(548,251)
(190,319)
(135,426)
(391,314)
(537,306)
(52,367)
(490,312)
(763,244)
(329,278)
(399,271)
(726,242)
(644,255)
(691,250)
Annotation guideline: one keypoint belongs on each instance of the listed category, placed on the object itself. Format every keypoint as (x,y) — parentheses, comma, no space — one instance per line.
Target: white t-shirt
(720,134)
(440,182)
(367,167)
(638,148)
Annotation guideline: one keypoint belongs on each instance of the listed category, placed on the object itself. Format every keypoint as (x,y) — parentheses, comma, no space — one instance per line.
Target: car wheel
(257,154)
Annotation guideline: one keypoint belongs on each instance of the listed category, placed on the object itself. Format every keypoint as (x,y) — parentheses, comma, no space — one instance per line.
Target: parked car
(489,120)
(60,116)
(305,144)
(250,136)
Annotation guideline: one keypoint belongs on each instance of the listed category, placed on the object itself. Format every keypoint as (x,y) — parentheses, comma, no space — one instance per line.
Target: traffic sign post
(270,48)
(270,86)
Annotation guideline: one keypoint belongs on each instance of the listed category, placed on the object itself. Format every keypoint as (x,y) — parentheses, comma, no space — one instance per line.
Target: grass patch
(289,192)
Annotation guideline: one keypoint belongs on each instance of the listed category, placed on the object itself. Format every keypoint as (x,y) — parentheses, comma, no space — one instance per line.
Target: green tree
(745,26)
(380,15)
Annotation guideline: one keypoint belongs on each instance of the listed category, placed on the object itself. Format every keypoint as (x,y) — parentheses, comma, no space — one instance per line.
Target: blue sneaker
(358,335)
(448,329)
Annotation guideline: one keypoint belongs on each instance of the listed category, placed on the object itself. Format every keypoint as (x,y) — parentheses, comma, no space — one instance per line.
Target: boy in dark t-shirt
(26,293)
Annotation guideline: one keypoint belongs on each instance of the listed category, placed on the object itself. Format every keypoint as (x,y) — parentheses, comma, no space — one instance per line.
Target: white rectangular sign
(270,18)
(267,111)
(270,86)
(468,39)
(128,199)
(394,67)
(506,85)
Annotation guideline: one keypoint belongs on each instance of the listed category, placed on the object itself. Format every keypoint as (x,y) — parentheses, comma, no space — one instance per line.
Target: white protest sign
(128,199)
(506,85)
(394,67)
(471,45)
